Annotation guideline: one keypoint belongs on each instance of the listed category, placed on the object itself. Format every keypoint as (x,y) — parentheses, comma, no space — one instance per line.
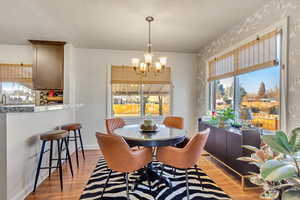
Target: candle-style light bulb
(163,61)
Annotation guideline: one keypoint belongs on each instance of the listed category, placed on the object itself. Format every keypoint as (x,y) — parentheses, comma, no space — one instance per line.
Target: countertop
(32,108)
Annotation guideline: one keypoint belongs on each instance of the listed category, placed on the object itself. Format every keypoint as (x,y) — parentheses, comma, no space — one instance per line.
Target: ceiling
(179,26)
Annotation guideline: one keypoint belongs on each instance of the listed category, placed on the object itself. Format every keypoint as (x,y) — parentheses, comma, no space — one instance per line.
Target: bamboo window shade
(127,75)
(255,55)
(21,73)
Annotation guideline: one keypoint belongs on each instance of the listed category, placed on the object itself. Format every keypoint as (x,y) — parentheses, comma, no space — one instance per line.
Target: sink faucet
(3,99)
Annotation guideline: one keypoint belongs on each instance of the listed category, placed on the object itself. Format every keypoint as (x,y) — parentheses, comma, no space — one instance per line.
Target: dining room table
(162,136)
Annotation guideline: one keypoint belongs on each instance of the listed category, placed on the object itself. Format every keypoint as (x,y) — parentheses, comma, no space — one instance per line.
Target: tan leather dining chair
(184,158)
(174,122)
(114,123)
(120,158)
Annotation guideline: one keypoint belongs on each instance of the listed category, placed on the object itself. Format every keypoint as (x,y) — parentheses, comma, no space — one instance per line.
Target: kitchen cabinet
(48,65)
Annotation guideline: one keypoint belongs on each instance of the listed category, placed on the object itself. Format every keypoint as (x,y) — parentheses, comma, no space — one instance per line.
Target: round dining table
(163,136)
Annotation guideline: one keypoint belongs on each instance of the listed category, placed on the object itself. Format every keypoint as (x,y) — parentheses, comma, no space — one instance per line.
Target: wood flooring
(73,187)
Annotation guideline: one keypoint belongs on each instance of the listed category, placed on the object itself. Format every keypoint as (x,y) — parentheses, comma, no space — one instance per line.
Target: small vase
(222,124)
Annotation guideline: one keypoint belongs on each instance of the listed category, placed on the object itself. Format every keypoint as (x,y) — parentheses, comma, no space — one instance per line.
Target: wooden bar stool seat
(74,128)
(71,127)
(61,137)
(54,135)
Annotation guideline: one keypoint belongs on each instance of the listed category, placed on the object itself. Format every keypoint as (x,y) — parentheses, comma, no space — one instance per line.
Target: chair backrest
(116,151)
(114,123)
(195,146)
(174,122)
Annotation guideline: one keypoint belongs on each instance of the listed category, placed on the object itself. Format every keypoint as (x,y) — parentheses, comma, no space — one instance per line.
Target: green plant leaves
(251,148)
(280,143)
(275,170)
(272,141)
(291,194)
(295,140)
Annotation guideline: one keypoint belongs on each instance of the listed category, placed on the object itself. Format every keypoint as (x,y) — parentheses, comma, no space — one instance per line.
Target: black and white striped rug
(116,188)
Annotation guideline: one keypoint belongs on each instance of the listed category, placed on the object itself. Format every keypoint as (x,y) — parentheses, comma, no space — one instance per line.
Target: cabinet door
(48,67)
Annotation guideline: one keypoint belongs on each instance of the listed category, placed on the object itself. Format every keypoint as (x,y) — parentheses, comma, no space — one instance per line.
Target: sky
(251,81)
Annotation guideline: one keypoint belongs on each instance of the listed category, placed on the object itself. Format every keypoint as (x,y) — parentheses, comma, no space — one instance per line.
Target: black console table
(225,145)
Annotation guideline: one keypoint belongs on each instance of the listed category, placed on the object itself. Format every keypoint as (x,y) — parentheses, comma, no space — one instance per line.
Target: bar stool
(60,137)
(75,128)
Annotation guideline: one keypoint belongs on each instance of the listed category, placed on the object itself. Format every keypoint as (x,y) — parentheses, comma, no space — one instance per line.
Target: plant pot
(222,124)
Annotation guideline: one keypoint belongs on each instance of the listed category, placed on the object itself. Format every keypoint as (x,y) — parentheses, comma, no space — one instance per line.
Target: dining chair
(184,158)
(174,122)
(121,158)
(114,123)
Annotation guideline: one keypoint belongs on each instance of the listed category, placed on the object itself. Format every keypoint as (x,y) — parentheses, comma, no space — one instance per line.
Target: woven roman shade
(20,73)
(255,55)
(127,75)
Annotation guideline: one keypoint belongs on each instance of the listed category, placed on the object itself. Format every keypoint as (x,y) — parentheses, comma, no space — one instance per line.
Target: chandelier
(147,65)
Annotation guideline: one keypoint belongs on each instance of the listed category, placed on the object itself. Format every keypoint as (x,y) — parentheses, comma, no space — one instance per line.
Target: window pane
(16,93)
(126,100)
(156,99)
(260,94)
(224,93)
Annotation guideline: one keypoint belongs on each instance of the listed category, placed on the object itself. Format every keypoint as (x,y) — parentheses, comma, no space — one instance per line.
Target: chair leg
(50,158)
(59,164)
(68,157)
(162,170)
(199,177)
(76,148)
(106,184)
(80,139)
(148,179)
(39,165)
(174,172)
(187,184)
(127,187)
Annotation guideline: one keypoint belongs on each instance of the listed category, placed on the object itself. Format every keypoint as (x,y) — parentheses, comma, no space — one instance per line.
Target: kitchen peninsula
(22,122)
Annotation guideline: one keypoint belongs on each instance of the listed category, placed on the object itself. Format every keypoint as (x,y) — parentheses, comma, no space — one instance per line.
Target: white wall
(16,54)
(3,155)
(91,83)
(23,147)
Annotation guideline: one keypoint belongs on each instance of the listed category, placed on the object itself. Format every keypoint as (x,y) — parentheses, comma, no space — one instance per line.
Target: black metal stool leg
(50,158)
(187,184)
(59,164)
(68,157)
(39,165)
(76,148)
(105,184)
(80,139)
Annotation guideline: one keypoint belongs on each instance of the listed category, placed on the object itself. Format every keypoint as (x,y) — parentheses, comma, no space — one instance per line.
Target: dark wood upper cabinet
(48,66)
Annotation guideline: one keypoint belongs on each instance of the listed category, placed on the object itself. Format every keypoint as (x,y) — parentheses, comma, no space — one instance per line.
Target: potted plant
(224,116)
(279,163)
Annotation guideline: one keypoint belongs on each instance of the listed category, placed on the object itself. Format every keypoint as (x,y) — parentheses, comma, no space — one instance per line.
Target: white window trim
(130,119)
(283,25)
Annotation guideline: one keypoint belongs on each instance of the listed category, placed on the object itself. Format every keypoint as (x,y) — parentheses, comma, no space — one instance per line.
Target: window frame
(130,119)
(283,64)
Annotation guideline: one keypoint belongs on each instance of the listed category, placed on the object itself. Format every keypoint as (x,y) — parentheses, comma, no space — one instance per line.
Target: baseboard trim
(91,147)
(28,189)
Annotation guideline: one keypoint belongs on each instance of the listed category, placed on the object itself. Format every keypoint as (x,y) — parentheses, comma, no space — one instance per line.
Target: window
(133,100)
(12,93)
(224,93)
(133,95)
(248,79)
(260,93)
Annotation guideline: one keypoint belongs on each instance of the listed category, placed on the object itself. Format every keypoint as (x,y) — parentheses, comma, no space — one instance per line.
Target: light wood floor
(73,187)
